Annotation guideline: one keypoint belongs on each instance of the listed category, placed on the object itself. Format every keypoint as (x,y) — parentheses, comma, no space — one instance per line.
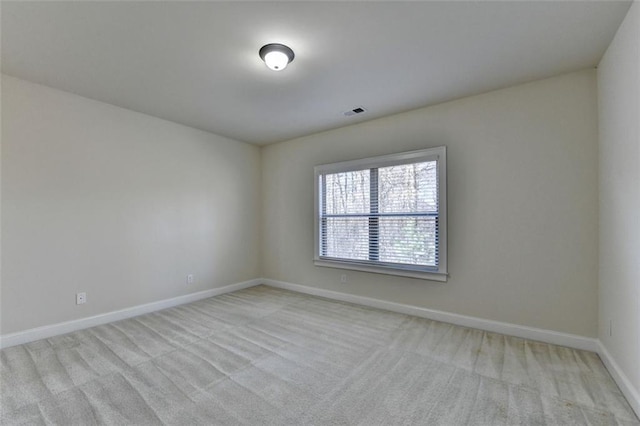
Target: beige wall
(123,206)
(619,112)
(523,205)
(118,204)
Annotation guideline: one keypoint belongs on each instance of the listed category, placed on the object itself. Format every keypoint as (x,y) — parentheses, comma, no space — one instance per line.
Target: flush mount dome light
(276,56)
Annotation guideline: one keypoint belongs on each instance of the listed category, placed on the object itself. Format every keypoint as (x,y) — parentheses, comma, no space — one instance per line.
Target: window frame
(438,154)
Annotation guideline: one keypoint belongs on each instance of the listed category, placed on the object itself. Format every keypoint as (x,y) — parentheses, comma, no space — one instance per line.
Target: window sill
(433,276)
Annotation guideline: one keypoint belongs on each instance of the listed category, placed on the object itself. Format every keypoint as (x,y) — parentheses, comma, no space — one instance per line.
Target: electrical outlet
(343,278)
(190,279)
(81,298)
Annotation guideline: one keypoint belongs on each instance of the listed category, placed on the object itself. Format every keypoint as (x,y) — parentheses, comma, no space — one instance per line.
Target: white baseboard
(13,339)
(530,333)
(549,336)
(628,390)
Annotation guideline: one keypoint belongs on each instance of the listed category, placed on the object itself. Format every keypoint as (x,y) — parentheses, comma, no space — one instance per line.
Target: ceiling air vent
(355,111)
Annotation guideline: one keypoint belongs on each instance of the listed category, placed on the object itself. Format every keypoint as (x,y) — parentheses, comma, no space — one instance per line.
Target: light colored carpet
(264,356)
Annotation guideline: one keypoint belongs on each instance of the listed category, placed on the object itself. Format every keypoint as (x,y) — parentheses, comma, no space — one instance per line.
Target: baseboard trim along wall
(530,333)
(548,336)
(628,390)
(26,336)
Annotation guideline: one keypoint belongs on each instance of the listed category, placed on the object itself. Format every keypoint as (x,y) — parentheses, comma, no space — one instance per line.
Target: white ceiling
(197,63)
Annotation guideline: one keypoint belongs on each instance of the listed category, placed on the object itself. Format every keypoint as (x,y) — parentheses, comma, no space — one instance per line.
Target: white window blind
(384,212)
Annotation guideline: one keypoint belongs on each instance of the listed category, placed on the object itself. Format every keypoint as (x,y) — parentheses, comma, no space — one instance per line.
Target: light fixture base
(277,56)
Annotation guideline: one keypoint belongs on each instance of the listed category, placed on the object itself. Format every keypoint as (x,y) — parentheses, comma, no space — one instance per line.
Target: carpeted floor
(264,356)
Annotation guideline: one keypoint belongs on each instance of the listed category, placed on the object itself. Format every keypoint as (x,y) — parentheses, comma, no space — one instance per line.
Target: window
(384,214)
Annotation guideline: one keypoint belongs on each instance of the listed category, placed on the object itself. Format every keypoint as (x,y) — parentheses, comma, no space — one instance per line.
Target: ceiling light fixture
(276,56)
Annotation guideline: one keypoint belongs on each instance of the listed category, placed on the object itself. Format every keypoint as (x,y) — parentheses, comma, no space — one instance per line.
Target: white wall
(619,126)
(119,204)
(523,205)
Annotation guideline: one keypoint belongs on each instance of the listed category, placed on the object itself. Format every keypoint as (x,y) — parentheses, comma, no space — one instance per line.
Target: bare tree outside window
(410,191)
(346,194)
(403,226)
(384,214)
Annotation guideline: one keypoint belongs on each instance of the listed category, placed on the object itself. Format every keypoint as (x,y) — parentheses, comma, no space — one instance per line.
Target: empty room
(320,213)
